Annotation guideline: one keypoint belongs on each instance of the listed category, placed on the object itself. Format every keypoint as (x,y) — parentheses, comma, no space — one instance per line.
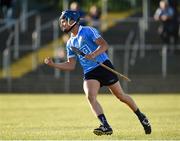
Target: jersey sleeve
(170,12)
(69,51)
(158,12)
(93,33)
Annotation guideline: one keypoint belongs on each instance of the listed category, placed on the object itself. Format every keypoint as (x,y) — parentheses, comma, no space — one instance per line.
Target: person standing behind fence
(94,17)
(174,5)
(74,6)
(165,14)
(7,9)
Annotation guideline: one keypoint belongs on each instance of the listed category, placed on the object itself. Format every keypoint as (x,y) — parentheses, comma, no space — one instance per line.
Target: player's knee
(121,97)
(91,98)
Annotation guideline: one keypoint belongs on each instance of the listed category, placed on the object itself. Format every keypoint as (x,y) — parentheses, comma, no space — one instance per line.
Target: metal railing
(135,44)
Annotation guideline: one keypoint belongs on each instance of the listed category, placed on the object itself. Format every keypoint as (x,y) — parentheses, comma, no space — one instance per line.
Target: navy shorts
(104,76)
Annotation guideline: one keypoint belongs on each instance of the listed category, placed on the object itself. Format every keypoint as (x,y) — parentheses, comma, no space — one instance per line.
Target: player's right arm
(69,65)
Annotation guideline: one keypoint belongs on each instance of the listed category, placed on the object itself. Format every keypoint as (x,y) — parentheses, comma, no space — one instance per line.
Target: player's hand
(48,61)
(164,18)
(90,56)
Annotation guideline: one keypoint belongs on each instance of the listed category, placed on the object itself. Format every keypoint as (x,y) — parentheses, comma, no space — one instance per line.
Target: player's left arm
(102,47)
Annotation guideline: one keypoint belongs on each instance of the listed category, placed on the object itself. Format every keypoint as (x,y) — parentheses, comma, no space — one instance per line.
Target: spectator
(74,6)
(165,14)
(94,16)
(7,9)
(174,5)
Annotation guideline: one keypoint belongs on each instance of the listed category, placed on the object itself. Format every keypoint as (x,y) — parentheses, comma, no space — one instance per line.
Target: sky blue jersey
(85,41)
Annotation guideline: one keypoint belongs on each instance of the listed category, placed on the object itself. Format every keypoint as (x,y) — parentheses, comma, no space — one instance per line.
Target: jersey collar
(80,27)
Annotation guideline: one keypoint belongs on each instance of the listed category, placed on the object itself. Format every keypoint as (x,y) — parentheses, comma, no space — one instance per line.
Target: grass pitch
(64,117)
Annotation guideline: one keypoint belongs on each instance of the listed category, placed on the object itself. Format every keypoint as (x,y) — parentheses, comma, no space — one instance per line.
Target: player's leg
(91,88)
(116,89)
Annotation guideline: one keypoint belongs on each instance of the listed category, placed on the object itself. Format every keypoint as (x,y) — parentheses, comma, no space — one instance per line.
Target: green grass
(65,117)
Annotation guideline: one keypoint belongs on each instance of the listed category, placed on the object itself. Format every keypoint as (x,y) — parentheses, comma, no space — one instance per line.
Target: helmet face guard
(69,15)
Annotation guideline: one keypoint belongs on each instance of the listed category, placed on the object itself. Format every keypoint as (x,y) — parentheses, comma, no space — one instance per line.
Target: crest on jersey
(85,49)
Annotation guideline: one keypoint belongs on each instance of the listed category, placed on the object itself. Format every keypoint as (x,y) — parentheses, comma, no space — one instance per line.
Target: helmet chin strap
(72,25)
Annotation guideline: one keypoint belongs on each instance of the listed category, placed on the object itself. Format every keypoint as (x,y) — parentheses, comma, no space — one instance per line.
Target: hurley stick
(77,51)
